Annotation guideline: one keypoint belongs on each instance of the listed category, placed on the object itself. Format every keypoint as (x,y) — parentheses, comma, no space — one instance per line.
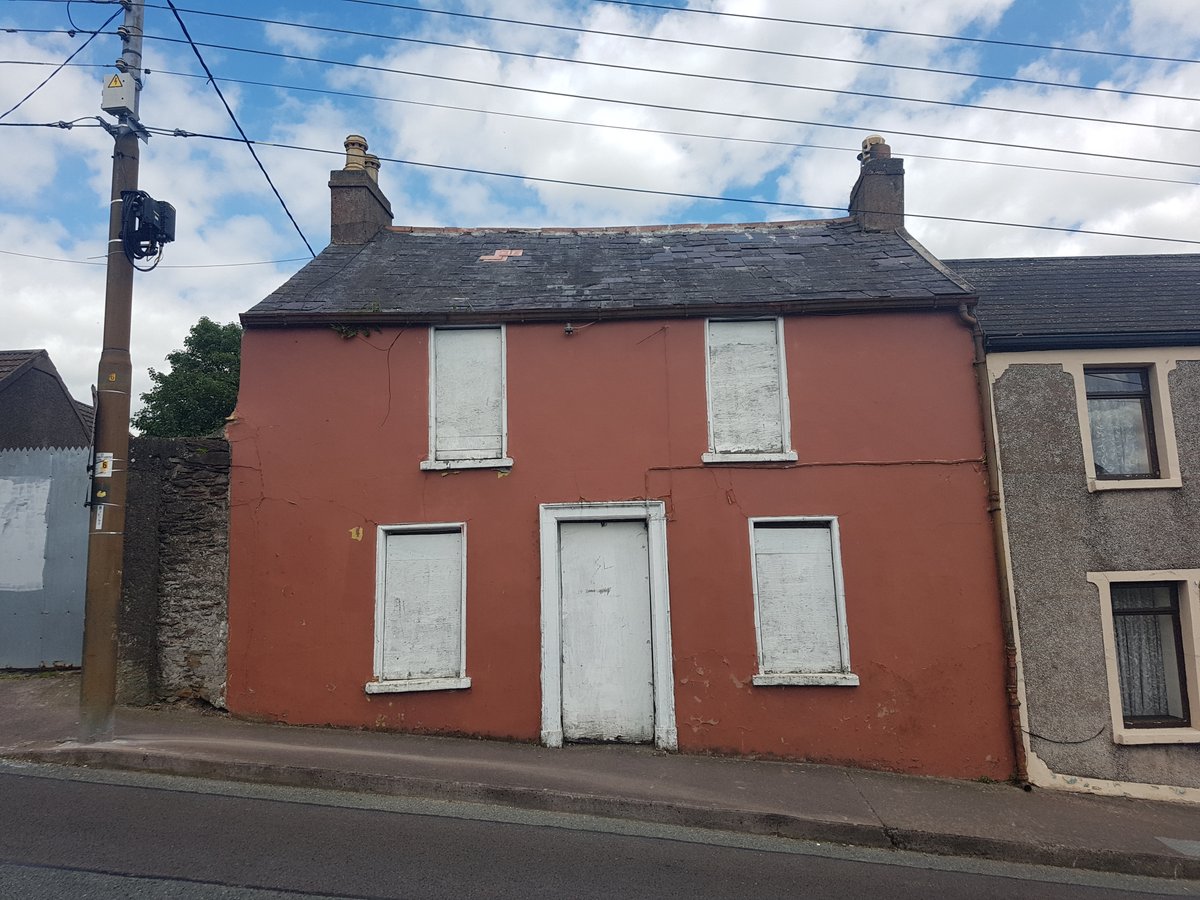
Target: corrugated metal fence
(43,556)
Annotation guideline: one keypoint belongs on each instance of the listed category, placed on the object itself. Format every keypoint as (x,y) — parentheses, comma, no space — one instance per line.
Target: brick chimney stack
(877,200)
(358,209)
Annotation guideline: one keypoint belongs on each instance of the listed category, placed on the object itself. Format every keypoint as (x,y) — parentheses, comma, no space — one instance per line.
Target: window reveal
(1150,656)
(747,396)
(467,419)
(420,606)
(799,605)
(1121,419)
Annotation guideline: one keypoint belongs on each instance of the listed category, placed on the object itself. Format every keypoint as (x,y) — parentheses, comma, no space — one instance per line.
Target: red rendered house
(717,487)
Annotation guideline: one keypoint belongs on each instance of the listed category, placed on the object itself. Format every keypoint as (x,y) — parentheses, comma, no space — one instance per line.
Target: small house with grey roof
(711,487)
(1094,370)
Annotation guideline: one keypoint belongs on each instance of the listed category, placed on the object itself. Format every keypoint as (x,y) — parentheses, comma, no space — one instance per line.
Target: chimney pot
(358,209)
(874,147)
(356,151)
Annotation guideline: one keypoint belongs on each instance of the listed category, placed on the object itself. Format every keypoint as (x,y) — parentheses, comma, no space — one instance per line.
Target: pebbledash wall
(1059,531)
(173,622)
(327,442)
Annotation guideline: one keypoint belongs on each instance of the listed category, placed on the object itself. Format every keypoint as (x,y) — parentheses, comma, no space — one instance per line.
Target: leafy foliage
(199,392)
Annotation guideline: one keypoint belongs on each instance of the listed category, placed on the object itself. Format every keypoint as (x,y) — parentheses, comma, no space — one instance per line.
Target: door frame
(654,514)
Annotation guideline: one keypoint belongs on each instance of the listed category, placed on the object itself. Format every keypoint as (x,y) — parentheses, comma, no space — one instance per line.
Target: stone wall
(173,611)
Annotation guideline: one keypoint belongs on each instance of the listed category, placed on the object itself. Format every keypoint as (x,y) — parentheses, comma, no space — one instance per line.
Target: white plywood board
(468,393)
(23,529)
(420,631)
(607,656)
(745,387)
(797,600)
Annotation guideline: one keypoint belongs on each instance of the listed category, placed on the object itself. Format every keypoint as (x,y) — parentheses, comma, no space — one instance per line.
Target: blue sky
(54,202)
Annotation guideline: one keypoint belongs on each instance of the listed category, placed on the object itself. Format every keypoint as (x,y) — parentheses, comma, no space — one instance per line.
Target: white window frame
(503,461)
(654,514)
(843,678)
(459,682)
(785,419)
(1157,368)
(1188,582)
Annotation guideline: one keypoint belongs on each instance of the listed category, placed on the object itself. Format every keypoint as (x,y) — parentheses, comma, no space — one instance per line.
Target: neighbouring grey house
(36,409)
(45,440)
(1094,369)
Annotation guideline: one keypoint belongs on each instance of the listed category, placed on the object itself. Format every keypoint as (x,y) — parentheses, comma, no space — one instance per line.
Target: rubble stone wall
(173,618)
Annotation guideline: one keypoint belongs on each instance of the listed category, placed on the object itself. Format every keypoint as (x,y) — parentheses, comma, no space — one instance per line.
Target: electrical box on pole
(119,97)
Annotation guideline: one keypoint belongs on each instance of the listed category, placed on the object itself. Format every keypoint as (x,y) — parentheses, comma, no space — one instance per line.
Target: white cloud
(1163,26)
(56,205)
(295,39)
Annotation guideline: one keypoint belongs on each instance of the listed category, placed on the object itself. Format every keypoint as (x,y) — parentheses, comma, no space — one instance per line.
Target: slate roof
(431,275)
(12,360)
(88,414)
(1086,301)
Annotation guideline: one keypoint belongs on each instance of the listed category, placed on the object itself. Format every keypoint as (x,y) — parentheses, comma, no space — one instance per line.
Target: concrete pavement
(39,715)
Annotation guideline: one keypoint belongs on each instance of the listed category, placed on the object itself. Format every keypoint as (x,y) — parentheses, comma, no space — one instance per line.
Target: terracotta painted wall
(328,439)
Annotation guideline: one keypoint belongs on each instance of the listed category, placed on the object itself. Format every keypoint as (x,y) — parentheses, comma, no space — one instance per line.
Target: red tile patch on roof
(500,255)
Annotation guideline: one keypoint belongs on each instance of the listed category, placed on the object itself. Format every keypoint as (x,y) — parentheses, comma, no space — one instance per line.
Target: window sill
(787,456)
(807,679)
(1156,736)
(1133,484)
(417,684)
(433,465)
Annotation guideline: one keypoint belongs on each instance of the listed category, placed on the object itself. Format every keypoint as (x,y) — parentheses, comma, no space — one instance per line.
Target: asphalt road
(80,834)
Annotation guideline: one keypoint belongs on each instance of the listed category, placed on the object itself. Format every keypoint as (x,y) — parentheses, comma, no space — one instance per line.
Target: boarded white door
(607,660)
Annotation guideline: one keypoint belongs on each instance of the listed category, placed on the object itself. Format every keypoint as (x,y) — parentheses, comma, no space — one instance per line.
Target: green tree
(199,392)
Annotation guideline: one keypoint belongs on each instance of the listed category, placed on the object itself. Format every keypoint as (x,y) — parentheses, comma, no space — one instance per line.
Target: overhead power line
(1066,85)
(78,50)
(631,128)
(660,7)
(684,134)
(213,81)
(88,262)
(662,106)
(675,194)
(574,29)
(597,99)
(634,129)
(926,34)
(74,123)
(726,79)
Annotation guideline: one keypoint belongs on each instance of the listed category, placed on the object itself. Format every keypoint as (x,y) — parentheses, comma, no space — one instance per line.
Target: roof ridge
(665,228)
(1092,258)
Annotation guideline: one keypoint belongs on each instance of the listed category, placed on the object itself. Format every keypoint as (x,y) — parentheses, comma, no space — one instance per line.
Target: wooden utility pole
(110,459)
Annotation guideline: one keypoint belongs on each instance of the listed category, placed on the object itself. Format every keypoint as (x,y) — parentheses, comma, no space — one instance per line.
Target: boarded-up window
(797,586)
(23,529)
(419,621)
(745,388)
(467,394)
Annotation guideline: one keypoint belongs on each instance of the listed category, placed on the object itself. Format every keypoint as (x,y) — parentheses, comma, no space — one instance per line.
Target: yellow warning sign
(115,81)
